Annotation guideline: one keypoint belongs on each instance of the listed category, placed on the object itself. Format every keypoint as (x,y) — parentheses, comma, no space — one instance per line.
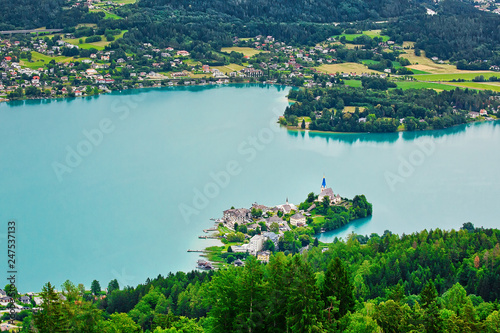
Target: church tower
(323,184)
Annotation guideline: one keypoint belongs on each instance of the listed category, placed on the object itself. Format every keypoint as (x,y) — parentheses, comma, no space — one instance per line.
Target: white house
(298,220)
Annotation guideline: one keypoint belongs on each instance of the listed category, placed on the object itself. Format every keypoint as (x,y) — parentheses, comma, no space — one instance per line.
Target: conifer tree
(337,283)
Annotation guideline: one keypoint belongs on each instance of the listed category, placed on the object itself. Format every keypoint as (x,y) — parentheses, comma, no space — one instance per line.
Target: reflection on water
(195,88)
(352,138)
(329,236)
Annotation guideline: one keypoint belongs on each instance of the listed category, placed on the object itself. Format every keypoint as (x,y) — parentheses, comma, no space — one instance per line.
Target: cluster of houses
(243,216)
(97,66)
(22,303)
(492,6)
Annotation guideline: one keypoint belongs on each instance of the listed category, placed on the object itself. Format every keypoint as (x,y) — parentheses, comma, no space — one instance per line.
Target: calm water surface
(121,185)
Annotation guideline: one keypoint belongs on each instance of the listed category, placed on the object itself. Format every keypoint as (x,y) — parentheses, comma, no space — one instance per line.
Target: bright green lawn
(419,85)
(319,219)
(307,119)
(126,2)
(369,33)
(107,14)
(353,83)
(96,45)
(494,86)
(454,76)
(40,60)
(416,71)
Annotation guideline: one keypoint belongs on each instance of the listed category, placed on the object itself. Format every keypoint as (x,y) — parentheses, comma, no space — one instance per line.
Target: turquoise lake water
(121,185)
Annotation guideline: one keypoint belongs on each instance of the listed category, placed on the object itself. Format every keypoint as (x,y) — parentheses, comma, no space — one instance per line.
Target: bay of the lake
(121,185)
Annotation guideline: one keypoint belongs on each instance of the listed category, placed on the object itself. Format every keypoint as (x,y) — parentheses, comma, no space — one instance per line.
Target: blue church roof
(323,184)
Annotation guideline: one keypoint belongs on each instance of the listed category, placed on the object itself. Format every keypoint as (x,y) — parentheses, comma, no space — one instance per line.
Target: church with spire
(328,192)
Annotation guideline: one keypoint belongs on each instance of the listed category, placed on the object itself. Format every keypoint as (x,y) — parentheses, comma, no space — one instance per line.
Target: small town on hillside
(85,62)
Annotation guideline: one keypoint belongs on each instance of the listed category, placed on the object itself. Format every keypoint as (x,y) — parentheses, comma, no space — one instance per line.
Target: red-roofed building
(8,58)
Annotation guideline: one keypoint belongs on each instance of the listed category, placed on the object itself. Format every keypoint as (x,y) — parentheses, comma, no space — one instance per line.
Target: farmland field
(107,14)
(454,76)
(352,109)
(229,68)
(495,86)
(247,51)
(369,33)
(96,45)
(353,83)
(347,67)
(39,60)
(125,2)
(419,85)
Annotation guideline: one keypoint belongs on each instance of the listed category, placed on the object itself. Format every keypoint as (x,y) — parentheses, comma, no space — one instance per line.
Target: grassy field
(319,219)
(125,2)
(40,60)
(96,45)
(454,76)
(247,51)
(419,85)
(352,109)
(107,14)
(369,62)
(495,86)
(422,63)
(347,67)
(416,71)
(369,33)
(353,83)
(229,68)
(353,46)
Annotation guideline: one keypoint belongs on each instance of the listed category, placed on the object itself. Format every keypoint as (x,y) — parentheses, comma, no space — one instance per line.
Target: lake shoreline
(298,129)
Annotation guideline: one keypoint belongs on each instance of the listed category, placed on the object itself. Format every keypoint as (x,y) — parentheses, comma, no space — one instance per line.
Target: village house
(252,72)
(238,263)
(263,256)
(298,220)
(25,299)
(240,216)
(183,53)
(272,236)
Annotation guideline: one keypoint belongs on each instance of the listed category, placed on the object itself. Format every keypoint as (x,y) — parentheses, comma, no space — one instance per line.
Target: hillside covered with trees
(430,281)
(458,32)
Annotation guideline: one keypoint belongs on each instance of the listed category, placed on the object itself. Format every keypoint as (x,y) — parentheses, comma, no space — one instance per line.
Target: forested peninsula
(373,108)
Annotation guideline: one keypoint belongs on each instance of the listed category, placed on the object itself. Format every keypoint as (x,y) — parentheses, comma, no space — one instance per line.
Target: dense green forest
(458,32)
(430,281)
(318,11)
(381,110)
(31,14)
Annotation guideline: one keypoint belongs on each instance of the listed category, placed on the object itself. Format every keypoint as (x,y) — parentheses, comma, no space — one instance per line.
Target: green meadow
(423,85)
(369,33)
(454,76)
